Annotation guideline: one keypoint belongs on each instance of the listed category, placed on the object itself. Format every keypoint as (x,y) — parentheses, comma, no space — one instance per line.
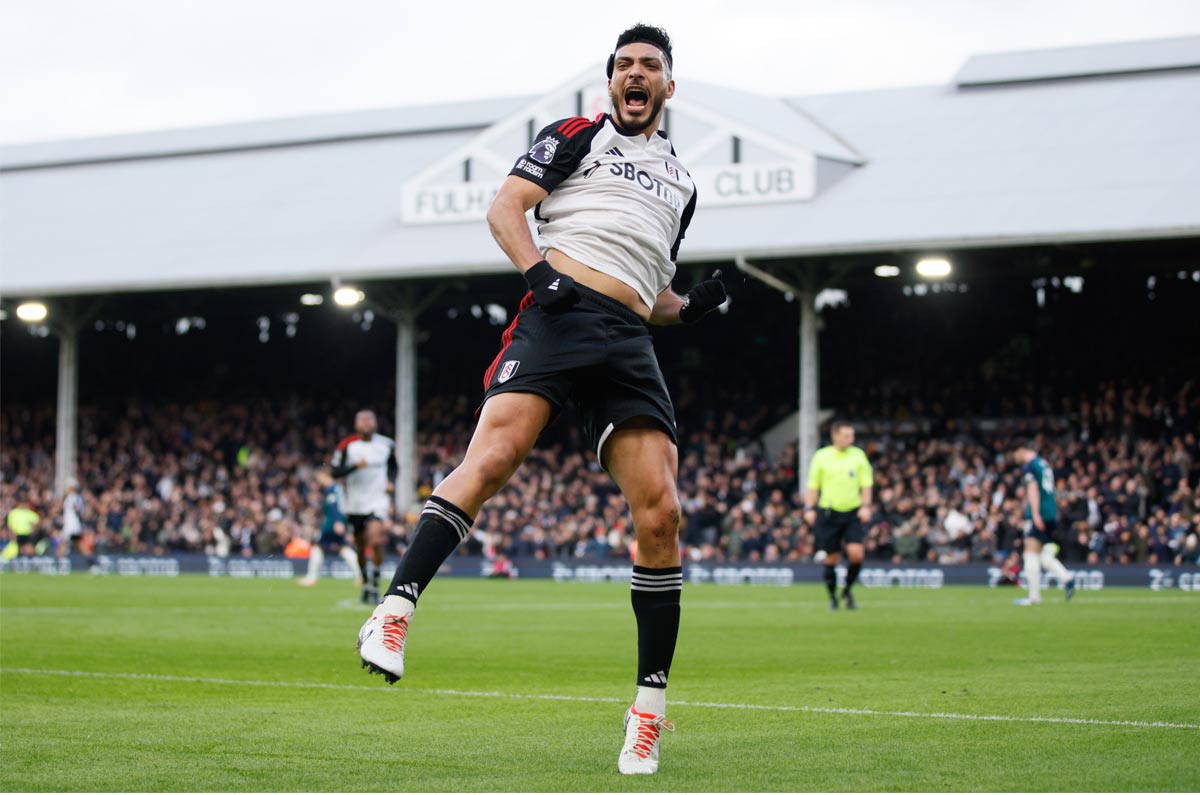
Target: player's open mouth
(636,99)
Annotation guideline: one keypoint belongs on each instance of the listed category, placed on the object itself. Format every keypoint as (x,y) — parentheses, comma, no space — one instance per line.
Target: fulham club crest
(671,170)
(508,370)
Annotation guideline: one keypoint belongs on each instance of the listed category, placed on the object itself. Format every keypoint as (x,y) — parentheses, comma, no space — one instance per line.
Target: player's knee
(657,522)
(666,513)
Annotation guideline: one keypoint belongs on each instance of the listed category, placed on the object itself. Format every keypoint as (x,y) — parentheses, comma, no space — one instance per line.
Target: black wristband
(702,299)
(539,273)
(551,290)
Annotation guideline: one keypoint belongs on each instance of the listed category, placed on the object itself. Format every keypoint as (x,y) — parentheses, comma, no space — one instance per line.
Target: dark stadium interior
(949,349)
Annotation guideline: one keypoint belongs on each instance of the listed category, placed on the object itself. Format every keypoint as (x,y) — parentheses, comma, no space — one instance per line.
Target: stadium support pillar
(809,416)
(406,407)
(403,305)
(68,407)
(809,383)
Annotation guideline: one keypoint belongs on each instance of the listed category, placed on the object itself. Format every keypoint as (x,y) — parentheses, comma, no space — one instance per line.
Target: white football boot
(381,643)
(642,734)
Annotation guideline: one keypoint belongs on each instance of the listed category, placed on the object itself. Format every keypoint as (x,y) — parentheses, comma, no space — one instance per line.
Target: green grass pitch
(135,684)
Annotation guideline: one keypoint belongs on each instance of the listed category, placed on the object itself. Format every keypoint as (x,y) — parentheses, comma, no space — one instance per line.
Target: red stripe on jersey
(506,340)
(576,128)
(573,125)
(562,128)
(344,443)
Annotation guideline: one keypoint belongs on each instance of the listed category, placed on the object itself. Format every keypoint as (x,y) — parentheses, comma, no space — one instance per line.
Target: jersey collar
(658,139)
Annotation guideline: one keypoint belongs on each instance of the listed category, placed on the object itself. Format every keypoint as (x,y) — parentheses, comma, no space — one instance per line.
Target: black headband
(612,59)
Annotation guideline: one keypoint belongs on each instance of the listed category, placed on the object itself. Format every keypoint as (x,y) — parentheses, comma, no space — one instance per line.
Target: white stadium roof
(1079,144)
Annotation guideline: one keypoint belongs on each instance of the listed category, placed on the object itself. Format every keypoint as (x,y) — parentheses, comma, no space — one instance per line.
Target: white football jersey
(366,487)
(618,203)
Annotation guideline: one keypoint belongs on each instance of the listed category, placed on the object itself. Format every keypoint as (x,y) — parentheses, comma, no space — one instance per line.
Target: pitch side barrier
(1091,578)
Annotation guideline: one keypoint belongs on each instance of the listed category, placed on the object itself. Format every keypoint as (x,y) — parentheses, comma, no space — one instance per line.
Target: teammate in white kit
(72,517)
(613,202)
(367,461)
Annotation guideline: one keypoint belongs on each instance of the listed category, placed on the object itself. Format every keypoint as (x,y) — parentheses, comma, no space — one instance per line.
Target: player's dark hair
(643,33)
(837,425)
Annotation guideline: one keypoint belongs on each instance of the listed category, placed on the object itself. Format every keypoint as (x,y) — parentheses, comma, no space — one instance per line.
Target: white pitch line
(605,700)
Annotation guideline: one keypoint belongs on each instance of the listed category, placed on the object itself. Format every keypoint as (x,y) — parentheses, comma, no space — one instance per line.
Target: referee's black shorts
(598,354)
(835,528)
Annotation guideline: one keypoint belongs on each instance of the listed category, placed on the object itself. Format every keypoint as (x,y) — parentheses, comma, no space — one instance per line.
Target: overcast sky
(72,68)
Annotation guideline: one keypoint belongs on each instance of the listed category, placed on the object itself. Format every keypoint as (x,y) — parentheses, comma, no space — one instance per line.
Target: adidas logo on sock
(659,678)
(554,284)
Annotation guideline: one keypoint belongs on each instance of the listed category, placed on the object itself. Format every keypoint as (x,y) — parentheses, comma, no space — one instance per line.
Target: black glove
(702,299)
(551,290)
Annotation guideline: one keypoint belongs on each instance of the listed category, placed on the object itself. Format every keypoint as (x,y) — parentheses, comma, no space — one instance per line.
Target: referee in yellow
(841,476)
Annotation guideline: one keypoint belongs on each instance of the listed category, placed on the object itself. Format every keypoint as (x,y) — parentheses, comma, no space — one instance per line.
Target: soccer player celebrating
(367,461)
(1041,519)
(840,481)
(613,202)
(333,530)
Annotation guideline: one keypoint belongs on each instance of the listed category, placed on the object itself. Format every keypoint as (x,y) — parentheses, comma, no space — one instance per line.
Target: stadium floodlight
(934,268)
(886,271)
(312,299)
(32,311)
(348,296)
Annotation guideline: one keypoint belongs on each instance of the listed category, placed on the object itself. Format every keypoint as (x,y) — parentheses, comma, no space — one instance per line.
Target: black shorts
(837,527)
(1045,536)
(598,354)
(358,522)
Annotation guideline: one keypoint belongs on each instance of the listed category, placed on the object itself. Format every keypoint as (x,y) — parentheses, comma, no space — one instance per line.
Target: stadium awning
(1085,144)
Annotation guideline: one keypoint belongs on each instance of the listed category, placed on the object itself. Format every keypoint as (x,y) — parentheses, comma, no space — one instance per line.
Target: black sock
(655,596)
(852,571)
(831,580)
(441,528)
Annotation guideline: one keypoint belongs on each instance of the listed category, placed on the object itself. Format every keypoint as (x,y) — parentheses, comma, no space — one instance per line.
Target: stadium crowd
(237,478)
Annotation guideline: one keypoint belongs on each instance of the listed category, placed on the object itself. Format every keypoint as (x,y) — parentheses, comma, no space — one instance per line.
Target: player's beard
(638,126)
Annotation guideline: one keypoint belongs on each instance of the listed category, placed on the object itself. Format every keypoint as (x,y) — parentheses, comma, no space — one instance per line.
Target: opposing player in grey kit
(612,202)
